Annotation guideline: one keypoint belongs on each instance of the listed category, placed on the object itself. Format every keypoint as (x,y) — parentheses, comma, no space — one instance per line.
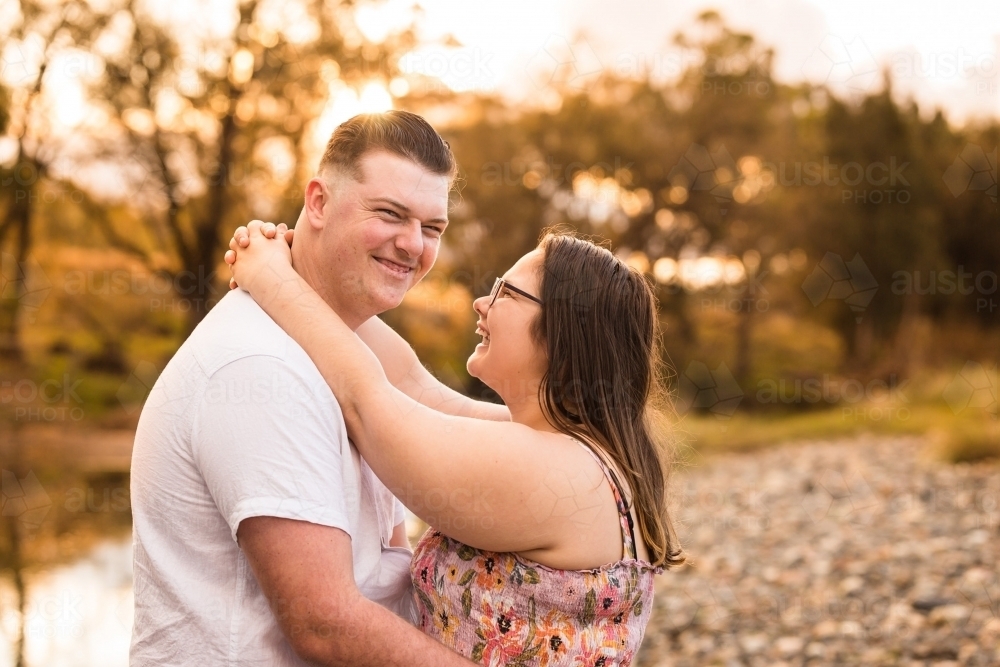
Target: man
(260,535)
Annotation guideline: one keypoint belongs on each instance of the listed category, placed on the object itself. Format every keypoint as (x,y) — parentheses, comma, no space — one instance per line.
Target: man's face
(379,236)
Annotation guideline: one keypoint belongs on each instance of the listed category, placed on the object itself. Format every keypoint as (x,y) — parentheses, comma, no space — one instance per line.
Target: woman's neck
(528,411)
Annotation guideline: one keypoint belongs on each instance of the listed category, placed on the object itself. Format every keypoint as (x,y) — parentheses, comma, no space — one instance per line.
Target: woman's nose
(481,305)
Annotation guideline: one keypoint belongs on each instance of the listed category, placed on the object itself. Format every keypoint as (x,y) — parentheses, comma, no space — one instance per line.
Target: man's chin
(388,299)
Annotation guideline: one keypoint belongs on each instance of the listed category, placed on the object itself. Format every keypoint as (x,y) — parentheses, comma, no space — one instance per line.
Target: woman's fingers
(242,236)
(269,229)
(289,236)
(232,283)
(230,256)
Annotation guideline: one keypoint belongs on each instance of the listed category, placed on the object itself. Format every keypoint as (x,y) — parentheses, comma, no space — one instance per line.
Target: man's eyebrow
(406,209)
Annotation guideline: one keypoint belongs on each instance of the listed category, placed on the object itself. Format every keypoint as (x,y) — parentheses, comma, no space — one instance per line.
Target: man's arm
(405,372)
(306,572)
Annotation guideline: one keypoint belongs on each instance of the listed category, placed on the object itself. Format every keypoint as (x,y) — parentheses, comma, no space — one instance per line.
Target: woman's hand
(264,262)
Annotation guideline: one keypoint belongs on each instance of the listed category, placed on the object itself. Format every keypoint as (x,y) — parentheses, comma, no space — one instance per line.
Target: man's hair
(399,132)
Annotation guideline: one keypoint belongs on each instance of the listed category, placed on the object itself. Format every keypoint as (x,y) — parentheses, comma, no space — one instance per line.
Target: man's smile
(395,268)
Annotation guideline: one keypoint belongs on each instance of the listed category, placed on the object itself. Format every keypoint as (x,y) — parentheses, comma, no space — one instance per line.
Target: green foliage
(632,141)
(969,442)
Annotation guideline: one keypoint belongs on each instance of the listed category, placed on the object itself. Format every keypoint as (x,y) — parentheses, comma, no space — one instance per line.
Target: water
(77,615)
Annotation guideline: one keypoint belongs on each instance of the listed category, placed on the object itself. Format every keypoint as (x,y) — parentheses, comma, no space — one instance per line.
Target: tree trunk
(207,252)
(12,451)
(14,268)
(20,590)
(743,331)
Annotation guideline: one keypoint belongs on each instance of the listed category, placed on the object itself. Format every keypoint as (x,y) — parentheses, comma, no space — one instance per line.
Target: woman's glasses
(502,284)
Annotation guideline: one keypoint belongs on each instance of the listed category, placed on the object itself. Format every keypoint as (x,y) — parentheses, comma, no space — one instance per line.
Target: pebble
(856,552)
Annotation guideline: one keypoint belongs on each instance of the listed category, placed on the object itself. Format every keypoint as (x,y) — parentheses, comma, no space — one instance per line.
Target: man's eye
(388,211)
(434,231)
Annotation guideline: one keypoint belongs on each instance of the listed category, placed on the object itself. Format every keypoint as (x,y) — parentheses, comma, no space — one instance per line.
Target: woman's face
(509,360)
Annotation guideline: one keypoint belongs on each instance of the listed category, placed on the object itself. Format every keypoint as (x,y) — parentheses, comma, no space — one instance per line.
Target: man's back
(241,424)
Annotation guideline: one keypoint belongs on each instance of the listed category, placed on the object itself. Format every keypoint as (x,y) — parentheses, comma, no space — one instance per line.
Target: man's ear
(317,199)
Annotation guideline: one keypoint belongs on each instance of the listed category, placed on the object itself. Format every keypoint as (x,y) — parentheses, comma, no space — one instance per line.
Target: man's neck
(306,268)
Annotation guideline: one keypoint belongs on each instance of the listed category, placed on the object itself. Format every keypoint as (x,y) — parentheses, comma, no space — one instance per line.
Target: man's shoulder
(237,328)
(238,341)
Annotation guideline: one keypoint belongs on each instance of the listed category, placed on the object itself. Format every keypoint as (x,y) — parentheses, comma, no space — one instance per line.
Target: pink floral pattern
(501,609)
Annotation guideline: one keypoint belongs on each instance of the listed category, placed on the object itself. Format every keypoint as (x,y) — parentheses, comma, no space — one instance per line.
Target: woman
(546,530)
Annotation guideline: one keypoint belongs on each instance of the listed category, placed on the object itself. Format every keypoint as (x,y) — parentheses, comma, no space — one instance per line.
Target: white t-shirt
(242,424)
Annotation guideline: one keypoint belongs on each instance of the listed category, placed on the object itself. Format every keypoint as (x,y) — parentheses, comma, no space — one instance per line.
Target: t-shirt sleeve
(399,516)
(267,439)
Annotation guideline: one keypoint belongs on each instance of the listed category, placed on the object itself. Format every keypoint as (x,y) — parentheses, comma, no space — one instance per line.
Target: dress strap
(629,547)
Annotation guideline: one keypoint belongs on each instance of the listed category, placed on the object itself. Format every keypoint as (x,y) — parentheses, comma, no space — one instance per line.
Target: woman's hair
(600,327)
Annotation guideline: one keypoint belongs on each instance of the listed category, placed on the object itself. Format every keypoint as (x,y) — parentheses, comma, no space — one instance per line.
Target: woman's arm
(493,485)
(406,373)
(401,364)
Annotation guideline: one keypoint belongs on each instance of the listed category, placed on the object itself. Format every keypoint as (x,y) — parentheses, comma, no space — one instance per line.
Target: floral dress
(502,609)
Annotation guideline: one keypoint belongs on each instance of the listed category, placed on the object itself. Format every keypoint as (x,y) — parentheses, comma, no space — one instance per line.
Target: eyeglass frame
(503,284)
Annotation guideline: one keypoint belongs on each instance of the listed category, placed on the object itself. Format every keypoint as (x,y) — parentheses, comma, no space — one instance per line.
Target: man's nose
(410,239)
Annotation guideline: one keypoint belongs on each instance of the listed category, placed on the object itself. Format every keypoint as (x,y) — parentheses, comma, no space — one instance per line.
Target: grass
(955,438)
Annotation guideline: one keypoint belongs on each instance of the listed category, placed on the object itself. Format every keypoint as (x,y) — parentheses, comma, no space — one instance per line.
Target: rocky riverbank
(842,553)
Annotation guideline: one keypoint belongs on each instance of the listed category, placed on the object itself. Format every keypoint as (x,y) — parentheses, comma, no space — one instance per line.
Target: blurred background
(810,185)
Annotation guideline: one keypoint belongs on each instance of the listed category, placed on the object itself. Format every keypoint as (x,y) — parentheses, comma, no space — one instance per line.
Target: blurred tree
(43,33)
(216,127)
(720,163)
